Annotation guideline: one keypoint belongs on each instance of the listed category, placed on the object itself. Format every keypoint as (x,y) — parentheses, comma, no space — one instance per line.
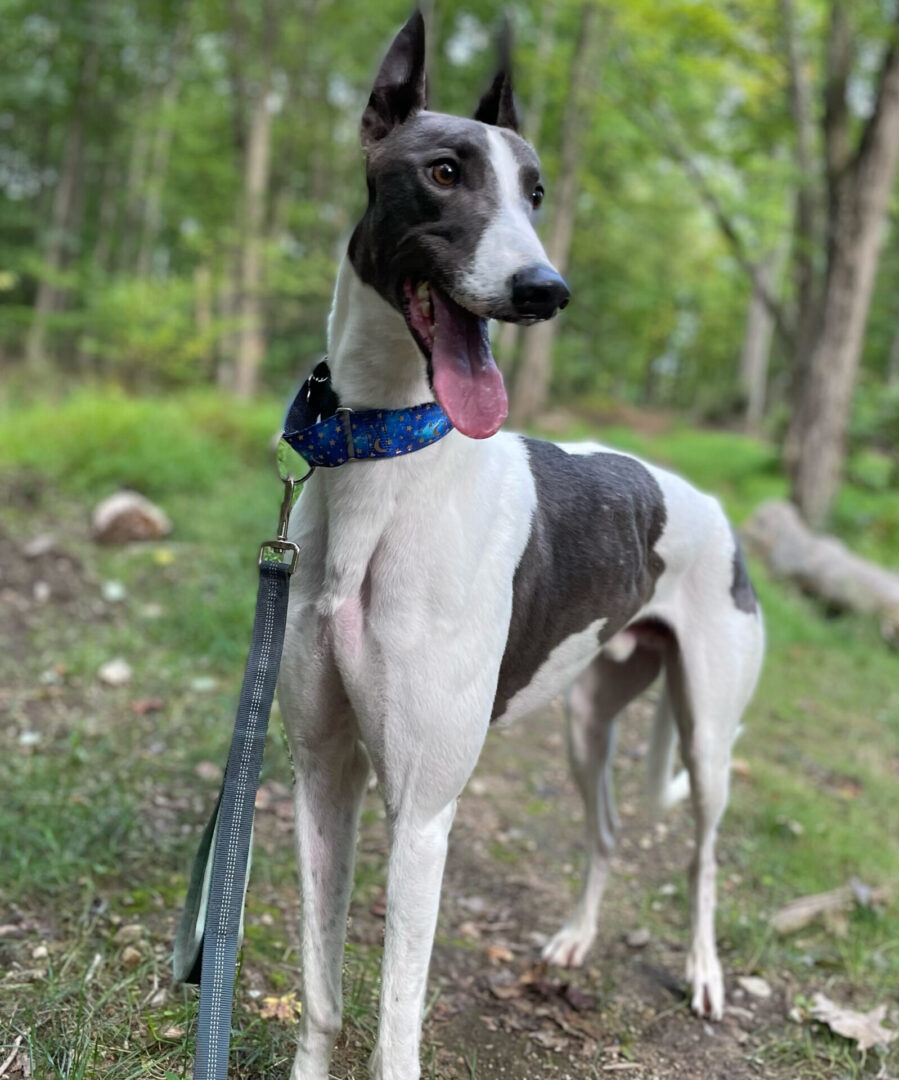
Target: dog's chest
(511,574)
(408,565)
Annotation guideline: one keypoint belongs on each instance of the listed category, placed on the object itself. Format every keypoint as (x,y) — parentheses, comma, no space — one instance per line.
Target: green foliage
(150,255)
(94,442)
(145,332)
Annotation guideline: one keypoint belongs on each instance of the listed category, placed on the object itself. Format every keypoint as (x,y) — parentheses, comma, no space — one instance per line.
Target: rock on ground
(126,516)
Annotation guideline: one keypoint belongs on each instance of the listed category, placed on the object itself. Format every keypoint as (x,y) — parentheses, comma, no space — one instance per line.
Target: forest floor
(105,790)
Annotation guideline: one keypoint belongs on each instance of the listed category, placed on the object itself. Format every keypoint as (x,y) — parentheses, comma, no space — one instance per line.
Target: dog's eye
(537,196)
(445,173)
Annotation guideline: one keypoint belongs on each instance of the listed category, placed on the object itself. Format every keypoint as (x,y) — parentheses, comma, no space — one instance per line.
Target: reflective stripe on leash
(209,932)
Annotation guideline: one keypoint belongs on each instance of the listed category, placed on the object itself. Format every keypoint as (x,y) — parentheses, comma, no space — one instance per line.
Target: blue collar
(327,435)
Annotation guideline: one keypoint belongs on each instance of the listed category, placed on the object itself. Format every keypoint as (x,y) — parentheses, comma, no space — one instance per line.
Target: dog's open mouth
(466,380)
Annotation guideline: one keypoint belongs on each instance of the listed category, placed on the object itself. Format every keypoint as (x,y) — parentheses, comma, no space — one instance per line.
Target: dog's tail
(665,786)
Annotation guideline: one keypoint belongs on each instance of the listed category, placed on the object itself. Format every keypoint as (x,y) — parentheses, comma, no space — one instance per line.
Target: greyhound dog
(480,577)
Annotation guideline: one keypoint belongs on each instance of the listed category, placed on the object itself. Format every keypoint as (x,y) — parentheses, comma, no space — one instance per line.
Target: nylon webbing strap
(233,835)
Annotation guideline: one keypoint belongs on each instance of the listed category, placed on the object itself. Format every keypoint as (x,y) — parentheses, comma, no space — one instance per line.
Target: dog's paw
(707,984)
(569,947)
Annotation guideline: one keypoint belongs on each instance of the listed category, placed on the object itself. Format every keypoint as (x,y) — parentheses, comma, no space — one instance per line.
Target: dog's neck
(375,363)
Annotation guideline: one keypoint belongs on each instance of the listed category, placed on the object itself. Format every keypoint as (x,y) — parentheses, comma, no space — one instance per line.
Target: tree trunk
(756,350)
(159,158)
(823,566)
(66,201)
(110,187)
(203,307)
(532,378)
(137,167)
(892,377)
(251,335)
(805,217)
(227,300)
(860,192)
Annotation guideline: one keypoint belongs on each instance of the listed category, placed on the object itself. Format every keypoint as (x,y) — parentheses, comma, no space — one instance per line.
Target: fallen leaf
(499,954)
(128,935)
(115,672)
(477,905)
(147,705)
(837,924)
(113,592)
(740,767)
(284,1008)
(550,1040)
(131,956)
(208,770)
(790,825)
(865,1029)
(755,986)
(40,545)
(577,999)
(505,991)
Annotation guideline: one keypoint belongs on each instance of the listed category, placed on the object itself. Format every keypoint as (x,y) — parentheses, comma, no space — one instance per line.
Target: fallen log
(823,566)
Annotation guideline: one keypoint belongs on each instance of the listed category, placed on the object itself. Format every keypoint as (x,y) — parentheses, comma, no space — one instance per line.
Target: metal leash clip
(290,466)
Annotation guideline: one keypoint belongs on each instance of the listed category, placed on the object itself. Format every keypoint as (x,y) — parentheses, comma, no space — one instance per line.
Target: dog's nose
(538,292)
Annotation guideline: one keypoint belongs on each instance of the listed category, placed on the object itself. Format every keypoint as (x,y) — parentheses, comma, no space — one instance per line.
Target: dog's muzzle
(538,292)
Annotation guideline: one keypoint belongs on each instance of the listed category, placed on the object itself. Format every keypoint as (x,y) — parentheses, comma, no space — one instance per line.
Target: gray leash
(210,930)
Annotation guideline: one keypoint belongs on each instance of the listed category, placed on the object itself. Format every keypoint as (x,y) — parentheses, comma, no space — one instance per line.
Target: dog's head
(448,236)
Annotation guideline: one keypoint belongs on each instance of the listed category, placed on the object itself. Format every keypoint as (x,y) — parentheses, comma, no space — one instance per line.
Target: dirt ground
(513,870)
(514,857)
(512,873)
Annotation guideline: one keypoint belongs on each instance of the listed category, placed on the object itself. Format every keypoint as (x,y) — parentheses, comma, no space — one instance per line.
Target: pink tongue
(467,381)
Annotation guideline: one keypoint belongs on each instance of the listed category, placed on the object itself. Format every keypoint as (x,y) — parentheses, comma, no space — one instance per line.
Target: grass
(99,818)
(744,472)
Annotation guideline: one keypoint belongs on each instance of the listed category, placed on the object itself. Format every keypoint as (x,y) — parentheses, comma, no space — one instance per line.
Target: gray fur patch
(590,555)
(414,229)
(741,587)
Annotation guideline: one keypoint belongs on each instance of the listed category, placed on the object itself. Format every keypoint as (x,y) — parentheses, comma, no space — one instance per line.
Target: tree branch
(732,235)
(836,111)
(662,132)
(800,107)
(884,107)
(806,198)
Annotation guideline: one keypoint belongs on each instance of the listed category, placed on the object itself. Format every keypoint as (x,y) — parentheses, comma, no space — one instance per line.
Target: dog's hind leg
(600,694)
(710,680)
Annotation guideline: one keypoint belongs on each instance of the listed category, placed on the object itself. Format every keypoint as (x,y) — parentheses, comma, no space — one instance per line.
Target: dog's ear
(399,88)
(497,106)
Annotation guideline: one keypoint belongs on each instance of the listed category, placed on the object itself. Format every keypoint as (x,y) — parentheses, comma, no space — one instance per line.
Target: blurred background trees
(177,181)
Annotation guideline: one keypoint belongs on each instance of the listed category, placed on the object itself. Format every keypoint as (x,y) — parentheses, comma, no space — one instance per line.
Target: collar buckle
(343,412)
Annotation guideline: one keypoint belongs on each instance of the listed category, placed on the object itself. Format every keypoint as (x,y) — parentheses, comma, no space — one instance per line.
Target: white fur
(398,620)
(509,243)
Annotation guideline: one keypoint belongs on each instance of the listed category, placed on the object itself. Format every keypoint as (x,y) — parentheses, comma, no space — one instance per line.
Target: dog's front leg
(415,873)
(423,758)
(330,779)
